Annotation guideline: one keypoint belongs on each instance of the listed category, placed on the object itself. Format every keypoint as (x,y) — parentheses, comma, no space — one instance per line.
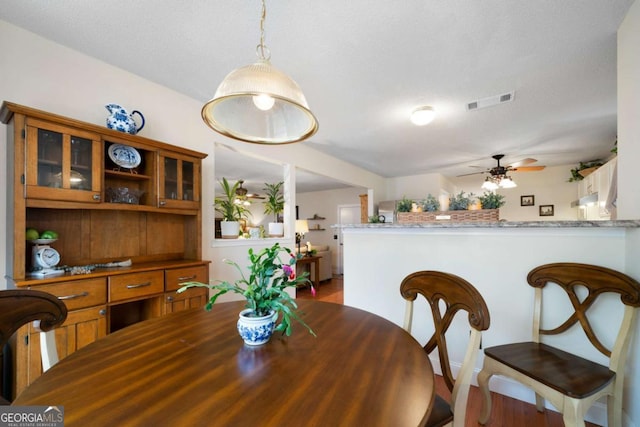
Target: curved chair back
(597,281)
(569,382)
(457,294)
(19,307)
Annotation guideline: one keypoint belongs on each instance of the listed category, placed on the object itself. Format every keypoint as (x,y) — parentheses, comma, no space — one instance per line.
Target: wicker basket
(485,215)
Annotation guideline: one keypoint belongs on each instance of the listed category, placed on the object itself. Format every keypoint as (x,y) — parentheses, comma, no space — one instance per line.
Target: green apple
(48,235)
(32,234)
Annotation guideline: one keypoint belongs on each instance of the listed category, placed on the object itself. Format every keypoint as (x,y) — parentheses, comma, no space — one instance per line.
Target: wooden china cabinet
(63,176)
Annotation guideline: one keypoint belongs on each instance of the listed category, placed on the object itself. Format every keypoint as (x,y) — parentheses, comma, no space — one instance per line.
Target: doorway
(347,214)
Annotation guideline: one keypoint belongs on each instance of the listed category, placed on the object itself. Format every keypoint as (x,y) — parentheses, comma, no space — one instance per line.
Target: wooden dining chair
(456,294)
(19,307)
(569,382)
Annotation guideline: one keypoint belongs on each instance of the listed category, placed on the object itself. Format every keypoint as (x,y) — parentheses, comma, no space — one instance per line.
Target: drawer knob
(185,278)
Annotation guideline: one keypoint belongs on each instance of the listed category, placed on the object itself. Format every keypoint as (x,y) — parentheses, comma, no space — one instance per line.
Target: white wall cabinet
(605,178)
(599,182)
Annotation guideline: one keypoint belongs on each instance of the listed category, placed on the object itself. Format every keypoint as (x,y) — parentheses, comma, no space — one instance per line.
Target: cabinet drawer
(128,286)
(79,293)
(175,277)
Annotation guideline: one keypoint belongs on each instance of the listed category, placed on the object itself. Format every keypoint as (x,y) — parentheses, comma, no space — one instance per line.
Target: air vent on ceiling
(490,101)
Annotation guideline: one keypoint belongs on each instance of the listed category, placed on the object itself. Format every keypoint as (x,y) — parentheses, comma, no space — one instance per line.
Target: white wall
(417,186)
(548,186)
(628,114)
(38,73)
(628,155)
(325,204)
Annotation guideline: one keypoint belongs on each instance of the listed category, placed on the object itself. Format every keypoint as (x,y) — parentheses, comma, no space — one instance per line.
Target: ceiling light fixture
(492,183)
(260,104)
(422,115)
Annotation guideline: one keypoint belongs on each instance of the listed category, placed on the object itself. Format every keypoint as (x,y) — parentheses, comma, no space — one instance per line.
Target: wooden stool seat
(565,372)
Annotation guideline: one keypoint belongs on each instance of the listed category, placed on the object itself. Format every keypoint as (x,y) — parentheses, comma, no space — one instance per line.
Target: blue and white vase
(121,120)
(256,330)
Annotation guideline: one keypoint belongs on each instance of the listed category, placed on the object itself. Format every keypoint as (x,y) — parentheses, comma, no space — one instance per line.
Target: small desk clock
(45,258)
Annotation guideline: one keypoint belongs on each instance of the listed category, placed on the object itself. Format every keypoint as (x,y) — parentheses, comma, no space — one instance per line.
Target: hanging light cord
(262,50)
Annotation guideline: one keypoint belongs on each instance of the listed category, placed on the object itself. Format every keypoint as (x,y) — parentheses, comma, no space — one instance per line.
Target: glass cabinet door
(179,182)
(62,163)
(188,178)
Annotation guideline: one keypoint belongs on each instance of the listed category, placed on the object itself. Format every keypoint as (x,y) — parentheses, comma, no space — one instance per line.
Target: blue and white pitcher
(123,121)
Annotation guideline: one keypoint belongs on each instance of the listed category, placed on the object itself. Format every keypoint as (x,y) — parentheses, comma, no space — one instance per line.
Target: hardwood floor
(328,291)
(506,412)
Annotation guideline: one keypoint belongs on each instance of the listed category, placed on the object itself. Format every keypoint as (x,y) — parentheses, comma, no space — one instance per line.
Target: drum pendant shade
(233,111)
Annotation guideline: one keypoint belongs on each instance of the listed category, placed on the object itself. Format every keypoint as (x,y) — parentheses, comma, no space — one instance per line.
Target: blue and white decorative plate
(124,156)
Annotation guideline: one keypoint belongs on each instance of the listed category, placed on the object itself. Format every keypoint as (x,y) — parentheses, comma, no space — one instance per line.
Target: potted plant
(491,200)
(460,202)
(265,292)
(231,211)
(404,205)
(274,204)
(584,169)
(430,204)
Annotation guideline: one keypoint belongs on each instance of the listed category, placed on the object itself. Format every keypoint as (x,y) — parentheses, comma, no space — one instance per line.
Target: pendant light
(260,104)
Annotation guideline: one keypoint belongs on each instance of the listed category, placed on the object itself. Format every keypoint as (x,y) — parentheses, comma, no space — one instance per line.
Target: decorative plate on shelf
(124,156)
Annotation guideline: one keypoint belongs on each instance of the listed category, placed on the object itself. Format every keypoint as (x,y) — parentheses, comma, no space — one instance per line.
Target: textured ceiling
(365,65)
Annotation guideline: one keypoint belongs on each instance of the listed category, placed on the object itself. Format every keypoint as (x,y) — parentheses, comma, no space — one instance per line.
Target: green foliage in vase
(265,288)
(460,201)
(404,205)
(430,204)
(274,204)
(491,200)
(374,219)
(226,204)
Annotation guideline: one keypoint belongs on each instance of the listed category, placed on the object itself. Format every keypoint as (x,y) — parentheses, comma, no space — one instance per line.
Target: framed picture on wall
(546,210)
(527,200)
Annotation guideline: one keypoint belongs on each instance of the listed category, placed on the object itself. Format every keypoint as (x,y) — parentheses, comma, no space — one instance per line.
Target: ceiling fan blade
(473,173)
(523,162)
(528,169)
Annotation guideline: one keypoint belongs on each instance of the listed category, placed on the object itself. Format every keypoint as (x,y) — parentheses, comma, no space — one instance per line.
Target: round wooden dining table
(191,368)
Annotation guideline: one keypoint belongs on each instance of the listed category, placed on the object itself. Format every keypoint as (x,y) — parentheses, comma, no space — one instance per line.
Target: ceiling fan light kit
(489,184)
(498,177)
(243,195)
(260,104)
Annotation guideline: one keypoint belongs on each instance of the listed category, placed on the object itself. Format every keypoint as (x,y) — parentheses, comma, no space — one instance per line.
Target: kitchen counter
(501,224)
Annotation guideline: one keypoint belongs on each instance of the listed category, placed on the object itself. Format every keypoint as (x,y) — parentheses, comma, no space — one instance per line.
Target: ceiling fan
(499,170)
(243,193)
(498,175)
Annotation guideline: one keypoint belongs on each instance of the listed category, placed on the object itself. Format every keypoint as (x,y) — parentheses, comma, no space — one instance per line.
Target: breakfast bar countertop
(632,223)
